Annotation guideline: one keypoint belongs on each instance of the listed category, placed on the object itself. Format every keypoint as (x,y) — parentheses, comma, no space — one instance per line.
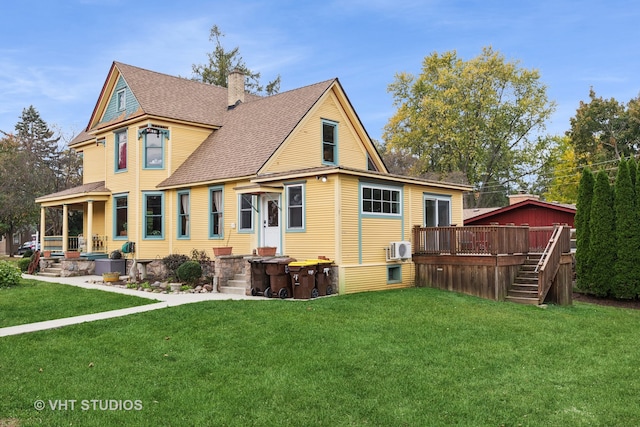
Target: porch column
(42,227)
(89,237)
(65,228)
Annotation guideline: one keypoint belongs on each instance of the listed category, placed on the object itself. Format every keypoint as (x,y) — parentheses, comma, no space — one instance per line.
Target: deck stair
(238,285)
(524,289)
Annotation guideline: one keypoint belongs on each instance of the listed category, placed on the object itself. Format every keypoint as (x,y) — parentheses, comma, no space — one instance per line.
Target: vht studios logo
(88,405)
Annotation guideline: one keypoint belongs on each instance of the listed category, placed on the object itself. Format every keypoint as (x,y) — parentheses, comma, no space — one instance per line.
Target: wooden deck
(485,261)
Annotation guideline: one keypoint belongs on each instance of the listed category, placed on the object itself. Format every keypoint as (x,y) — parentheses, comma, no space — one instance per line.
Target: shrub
(172,262)
(27,253)
(189,272)
(23,264)
(204,261)
(9,275)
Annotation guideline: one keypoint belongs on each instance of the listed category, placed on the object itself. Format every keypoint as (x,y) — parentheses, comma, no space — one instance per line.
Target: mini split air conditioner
(400,250)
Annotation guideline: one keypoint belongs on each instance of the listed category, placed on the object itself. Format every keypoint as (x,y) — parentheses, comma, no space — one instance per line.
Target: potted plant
(223,250)
(123,232)
(267,251)
(72,254)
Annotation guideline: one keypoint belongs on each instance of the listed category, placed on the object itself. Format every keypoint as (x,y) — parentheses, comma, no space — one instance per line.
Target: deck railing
(557,244)
(480,240)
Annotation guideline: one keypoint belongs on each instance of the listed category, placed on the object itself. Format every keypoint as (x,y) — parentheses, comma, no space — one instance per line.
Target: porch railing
(480,240)
(76,243)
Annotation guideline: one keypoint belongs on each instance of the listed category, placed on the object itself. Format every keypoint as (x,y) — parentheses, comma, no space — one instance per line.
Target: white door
(270,216)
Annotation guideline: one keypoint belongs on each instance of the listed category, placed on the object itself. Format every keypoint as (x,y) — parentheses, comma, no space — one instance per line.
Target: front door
(270,215)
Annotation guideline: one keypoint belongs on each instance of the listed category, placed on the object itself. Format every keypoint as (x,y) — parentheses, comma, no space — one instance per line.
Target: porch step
(231,289)
(523,300)
(51,272)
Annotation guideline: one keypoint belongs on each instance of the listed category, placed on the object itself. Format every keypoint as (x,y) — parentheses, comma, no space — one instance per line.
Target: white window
(381,200)
(295,207)
(437,211)
(121,100)
(329,142)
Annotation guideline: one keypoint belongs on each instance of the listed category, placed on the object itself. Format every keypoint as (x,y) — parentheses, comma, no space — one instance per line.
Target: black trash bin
(278,271)
(303,279)
(259,276)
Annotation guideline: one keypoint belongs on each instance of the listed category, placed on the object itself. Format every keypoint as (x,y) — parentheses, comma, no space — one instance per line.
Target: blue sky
(55,54)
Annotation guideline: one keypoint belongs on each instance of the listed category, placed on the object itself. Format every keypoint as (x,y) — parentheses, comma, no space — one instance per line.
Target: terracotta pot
(46,254)
(222,250)
(72,254)
(267,251)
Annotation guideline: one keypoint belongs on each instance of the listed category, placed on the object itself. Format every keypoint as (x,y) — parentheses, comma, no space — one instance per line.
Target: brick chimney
(520,197)
(235,88)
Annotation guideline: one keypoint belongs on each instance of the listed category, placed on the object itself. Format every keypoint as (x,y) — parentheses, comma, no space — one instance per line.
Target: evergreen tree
(602,242)
(626,282)
(633,169)
(583,213)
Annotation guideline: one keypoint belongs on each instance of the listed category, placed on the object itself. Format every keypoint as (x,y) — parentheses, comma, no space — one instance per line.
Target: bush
(189,272)
(204,261)
(23,264)
(172,262)
(9,275)
(27,253)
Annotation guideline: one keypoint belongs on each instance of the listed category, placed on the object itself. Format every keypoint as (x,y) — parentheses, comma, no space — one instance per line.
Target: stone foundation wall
(226,267)
(76,267)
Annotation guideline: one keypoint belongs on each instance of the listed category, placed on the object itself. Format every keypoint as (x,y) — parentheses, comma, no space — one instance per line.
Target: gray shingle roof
(250,134)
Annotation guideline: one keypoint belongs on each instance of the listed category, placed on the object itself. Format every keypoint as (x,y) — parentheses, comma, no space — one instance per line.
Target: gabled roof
(162,95)
(528,202)
(250,134)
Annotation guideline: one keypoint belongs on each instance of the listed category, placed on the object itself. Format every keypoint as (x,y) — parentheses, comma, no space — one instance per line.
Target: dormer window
(329,142)
(121,100)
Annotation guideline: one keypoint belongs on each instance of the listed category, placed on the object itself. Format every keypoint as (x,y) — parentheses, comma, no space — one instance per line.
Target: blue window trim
(116,232)
(335,141)
(253,219)
(116,151)
(146,194)
(398,215)
(287,187)
(221,234)
(187,235)
(394,267)
(164,135)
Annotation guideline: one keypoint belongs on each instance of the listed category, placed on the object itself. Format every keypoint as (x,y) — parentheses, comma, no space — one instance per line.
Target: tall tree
(625,285)
(222,61)
(605,130)
(602,242)
(561,180)
(583,214)
(17,207)
(483,117)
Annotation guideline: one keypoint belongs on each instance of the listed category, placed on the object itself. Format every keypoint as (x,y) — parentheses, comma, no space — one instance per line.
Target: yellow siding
(319,237)
(349,218)
(373,278)
(303,148)
(93,163)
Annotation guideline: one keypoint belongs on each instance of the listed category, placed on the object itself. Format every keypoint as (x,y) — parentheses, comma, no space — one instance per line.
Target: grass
(35,301)
(411,357)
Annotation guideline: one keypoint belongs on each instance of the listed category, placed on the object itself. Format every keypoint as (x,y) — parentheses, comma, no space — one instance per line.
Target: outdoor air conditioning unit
(400,250)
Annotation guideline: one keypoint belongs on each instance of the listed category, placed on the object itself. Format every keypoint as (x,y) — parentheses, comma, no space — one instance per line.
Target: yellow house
(172,165)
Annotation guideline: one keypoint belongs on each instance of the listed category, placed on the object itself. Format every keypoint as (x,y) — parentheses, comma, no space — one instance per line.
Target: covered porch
(91,200)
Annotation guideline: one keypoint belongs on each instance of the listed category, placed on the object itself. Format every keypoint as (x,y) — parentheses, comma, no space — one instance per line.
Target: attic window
(121,100)
(329,142)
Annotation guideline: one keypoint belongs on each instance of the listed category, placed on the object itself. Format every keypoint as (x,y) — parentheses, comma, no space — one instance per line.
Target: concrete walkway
(165,300)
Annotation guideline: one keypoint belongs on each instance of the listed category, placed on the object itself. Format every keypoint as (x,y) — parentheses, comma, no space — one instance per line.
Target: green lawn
(35,301)
(417,357)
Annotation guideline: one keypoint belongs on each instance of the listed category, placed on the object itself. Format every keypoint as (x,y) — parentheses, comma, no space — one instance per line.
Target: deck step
(523,300)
